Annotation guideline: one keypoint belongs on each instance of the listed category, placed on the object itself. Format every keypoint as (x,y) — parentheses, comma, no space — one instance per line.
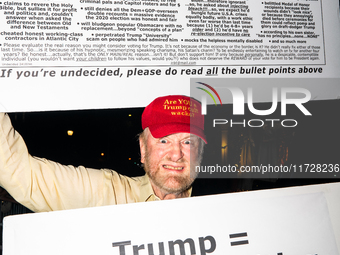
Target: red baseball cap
(174,114)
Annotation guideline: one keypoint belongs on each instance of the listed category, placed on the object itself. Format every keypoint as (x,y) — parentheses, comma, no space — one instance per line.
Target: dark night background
(113,132)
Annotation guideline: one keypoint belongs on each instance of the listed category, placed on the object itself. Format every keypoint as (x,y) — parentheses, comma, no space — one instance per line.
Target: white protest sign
(58,55)
(300,220)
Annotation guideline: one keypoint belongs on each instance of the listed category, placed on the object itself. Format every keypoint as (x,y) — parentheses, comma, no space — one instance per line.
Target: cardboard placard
(299,220)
